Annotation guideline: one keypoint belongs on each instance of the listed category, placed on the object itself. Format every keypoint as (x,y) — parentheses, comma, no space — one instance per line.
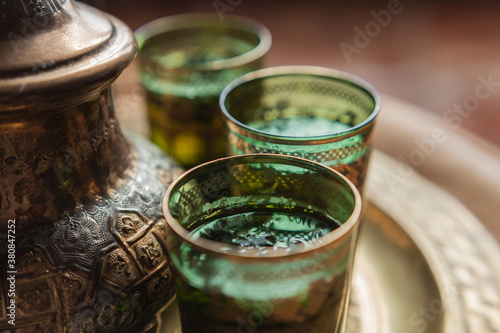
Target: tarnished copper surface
(90,251)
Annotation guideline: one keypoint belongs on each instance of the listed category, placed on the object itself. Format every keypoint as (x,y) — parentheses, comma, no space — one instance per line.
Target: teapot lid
(49,47)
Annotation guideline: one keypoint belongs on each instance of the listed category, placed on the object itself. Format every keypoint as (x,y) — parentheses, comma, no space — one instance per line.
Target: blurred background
(427,59)
(429,53)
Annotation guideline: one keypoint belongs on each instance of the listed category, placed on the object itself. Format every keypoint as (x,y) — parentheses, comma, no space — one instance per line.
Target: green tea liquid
(352,154)
(300,126)
(266,230)
(183,98)
(310,304)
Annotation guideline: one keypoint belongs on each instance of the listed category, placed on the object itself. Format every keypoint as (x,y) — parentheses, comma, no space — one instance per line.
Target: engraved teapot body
(81,228)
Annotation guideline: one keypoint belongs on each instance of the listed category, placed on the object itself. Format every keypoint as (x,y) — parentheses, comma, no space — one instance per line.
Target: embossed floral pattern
(115,314)
(32,260)
(159,287)
(130,226)
(73,234)
(149,252)
(86,245)
(34,298)
(120,266)
(129,223)
(73,288)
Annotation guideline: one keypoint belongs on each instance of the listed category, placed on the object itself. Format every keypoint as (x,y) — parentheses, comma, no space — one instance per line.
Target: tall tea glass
(186,60)
(262,243)
(317,113)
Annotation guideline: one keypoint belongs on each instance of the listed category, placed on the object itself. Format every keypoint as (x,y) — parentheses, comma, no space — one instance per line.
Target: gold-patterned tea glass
(266,237)
(186,60)
(317,113)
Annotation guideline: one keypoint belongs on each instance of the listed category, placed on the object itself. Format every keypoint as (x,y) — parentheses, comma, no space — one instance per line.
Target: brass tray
(424,262)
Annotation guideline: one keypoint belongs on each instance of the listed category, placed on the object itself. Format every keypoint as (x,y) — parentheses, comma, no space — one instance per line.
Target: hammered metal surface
(90,252)
(462,254)
(102,268)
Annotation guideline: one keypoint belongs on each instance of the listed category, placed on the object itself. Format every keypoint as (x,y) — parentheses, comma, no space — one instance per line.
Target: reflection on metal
(28,9)
(90,251)
(40,8)
(461,257)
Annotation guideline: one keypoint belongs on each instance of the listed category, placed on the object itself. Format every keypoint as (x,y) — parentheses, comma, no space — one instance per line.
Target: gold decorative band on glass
(262,235)
(317,113)
(186,60)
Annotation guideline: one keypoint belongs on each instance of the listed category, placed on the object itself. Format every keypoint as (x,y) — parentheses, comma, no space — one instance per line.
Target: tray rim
(410,201)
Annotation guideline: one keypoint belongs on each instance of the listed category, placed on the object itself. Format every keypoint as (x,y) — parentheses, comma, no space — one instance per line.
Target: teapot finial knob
(41,7)
(13,10)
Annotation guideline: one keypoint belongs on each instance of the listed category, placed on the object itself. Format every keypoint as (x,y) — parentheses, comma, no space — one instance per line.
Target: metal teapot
(82,242)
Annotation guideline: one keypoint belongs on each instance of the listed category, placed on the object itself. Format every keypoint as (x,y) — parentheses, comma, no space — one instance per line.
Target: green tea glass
(317,113)
(262,243)
(185,61)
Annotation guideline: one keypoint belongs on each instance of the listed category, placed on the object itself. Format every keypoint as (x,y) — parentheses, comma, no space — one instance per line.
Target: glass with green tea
(262,243)
(186,60)
(317,113)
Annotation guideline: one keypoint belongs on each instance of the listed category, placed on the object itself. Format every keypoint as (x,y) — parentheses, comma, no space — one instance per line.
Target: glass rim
(198,20)
(293,70)
(214,247)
